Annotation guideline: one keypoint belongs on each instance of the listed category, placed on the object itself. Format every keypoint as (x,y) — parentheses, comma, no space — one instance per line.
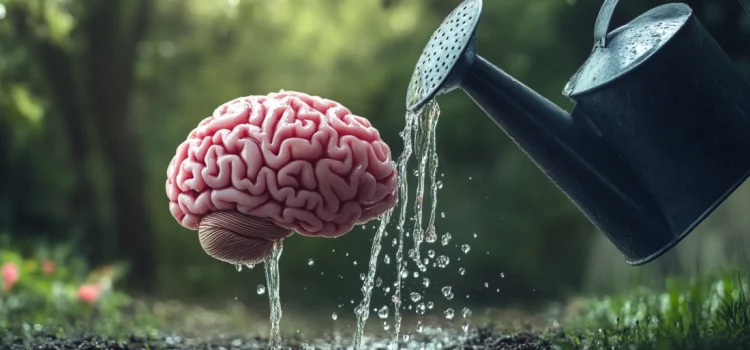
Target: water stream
(271,266)
(423,141)
(418,135)
(363,310)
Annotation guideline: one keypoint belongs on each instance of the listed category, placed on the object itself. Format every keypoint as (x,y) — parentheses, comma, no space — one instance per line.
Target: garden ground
(45,306)
(700,314)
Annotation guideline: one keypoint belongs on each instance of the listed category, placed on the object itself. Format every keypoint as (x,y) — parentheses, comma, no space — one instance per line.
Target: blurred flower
(10,275)
(88,293)
(48,267)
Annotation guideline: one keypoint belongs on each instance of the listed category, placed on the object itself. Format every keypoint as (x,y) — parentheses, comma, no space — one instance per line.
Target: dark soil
(483,339)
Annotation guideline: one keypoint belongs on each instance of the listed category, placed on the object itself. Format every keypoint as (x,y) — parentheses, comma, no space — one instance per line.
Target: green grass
(708,313)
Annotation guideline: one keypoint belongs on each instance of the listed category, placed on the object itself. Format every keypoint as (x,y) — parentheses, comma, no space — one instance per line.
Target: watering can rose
(263,167)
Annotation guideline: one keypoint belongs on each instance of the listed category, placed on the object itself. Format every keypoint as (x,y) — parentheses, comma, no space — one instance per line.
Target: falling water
(403,188)
(272,281)
(363,310)
(424,146)
(418,134)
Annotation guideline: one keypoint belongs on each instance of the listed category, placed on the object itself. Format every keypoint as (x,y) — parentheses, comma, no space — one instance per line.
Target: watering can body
(658,138)
(670,102)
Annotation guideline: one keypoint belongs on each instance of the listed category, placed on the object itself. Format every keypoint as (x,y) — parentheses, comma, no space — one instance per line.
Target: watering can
(659,135)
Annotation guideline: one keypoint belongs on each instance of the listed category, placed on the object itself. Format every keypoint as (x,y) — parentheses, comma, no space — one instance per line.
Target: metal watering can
(660,132)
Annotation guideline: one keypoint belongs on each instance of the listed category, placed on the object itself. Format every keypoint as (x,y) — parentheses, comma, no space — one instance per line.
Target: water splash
(272,281)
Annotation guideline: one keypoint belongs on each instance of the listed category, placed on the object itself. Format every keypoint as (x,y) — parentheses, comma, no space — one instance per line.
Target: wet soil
(481,339)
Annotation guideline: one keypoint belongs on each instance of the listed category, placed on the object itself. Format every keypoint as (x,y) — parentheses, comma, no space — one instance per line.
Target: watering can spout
(657,138)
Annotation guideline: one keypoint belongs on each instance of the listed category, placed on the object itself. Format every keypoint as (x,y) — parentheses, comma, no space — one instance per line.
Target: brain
(289,160)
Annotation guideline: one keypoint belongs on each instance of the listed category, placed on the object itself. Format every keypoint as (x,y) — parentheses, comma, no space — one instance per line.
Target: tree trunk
(111,63)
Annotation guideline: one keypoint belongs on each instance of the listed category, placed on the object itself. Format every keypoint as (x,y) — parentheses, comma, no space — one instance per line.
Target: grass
(712,312)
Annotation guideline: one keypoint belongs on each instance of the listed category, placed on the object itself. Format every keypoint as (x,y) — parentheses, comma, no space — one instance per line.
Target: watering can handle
(601,28)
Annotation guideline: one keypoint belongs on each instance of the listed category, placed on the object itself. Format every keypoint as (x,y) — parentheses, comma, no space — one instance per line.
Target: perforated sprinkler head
(448,53)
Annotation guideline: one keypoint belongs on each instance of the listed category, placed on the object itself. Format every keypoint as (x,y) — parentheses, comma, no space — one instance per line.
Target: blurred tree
(86,51)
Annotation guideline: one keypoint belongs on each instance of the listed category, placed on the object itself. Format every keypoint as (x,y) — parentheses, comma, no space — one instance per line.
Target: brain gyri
(262,167)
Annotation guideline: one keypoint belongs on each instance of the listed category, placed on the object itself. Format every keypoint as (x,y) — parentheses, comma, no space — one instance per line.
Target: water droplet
(386,326)
(466,312)
(486,285)
(431,253)
(238,267)
(406,337)
(404,273)
(394,242)
(421,308)
(415,297)
(413,254)
(446,238)
(310,262)
(440,184)
(250,266)
(387,259)
(449,314)
(387,289)
(261,289)
(461,271)
(378,282)
(465,248)
(430,305)
(442,215)
(465,327)
(443,261)
(355,262)
(446,290)
(361,276)
(415,274)
(420,327)
(502,275)
(475,235)
(383,312)
(334,316)
(426,282)
(469,178)
(425,261)
(347,254)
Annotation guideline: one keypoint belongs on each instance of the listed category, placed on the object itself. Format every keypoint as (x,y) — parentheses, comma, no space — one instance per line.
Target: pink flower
(10,275)
(88,293)
(48,267)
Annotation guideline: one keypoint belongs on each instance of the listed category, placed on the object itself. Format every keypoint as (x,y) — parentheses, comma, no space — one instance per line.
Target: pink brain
(302,162)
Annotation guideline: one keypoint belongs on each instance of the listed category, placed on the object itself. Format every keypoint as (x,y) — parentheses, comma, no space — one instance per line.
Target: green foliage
(708,313)
(55,288)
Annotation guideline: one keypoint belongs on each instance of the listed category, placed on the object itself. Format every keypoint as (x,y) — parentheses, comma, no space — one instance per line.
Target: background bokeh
(95,95)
